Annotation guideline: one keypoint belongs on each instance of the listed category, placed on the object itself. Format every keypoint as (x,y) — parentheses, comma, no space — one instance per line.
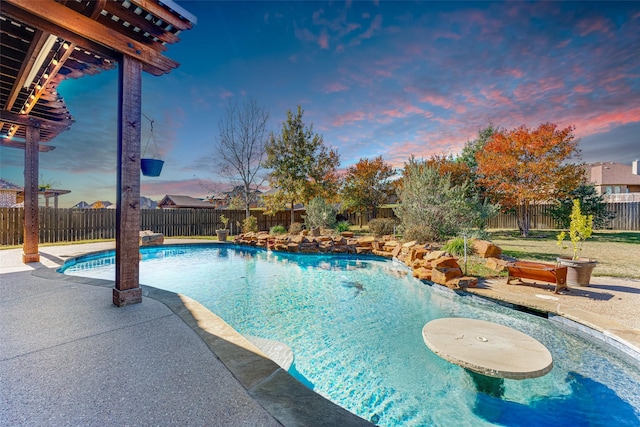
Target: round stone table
(487,348)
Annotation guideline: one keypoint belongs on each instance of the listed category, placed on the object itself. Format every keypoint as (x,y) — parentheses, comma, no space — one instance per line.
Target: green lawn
(617,253)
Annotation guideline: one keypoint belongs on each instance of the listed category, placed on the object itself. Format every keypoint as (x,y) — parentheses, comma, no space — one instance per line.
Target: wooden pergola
(43,42)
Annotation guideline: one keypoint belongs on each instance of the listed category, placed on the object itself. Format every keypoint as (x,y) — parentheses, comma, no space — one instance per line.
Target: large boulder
(442,275)
(486,249)
(496,264)
(149,238)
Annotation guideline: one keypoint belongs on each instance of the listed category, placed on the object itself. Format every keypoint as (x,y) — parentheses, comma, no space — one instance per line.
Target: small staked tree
(301,166)
(522,167)
(241,146)
(367,185)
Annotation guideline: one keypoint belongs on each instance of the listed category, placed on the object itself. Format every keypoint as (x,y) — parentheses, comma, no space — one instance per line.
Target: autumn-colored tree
(459,173)
(302,167)
(367,185)
(522,167)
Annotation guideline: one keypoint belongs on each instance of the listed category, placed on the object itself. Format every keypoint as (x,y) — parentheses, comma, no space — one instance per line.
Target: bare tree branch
(241,146)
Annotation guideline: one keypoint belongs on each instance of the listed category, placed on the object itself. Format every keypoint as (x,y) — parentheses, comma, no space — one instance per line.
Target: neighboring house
(222,200)
(218,200)
(9,193)
(181,202)
(614,178)
(147,203)
(101,204)
(12,195)
(81,205)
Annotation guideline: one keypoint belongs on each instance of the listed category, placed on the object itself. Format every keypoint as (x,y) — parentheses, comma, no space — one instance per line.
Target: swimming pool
(354,324)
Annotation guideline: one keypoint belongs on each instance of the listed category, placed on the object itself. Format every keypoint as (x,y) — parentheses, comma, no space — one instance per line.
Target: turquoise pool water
(354,325)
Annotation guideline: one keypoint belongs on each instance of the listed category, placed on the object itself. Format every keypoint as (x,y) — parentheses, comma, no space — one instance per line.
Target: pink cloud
(514,72)
(335,87)
(323,40)
(595,24)
(224,94)
(350,118)
(603,122)
(582,89)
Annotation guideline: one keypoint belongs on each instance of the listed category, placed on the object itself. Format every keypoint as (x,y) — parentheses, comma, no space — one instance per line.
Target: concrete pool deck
(68,356)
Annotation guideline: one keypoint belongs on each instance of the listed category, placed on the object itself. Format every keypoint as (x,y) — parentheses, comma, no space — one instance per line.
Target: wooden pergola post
(127,289)
(31,227)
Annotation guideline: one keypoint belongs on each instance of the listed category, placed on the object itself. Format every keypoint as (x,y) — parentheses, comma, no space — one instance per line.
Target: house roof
(44,42)
(10,186)
(184,202)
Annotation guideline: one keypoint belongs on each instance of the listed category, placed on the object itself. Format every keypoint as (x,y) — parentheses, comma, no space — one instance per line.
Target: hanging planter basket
(151,167)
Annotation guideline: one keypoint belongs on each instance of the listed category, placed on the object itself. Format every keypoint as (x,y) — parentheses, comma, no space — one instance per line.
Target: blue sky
(374,78)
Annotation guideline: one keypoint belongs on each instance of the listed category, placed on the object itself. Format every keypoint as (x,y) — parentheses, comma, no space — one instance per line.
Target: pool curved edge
(287,400)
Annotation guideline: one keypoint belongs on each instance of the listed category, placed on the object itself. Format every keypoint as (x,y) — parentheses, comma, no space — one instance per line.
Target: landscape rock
(443,275)
(486,249)
(150,238)
(496,264)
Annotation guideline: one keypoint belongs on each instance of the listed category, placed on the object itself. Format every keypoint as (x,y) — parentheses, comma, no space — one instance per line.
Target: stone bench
(543,272)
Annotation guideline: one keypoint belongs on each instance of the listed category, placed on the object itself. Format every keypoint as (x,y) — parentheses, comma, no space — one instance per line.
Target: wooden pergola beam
(38,42)
(26,120)
(86,28)
(23,145)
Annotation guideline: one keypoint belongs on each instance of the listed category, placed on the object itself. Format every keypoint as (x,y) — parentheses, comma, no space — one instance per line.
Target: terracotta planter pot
(578,270)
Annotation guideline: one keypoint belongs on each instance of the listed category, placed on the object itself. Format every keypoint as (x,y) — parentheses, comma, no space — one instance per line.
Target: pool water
(354,324)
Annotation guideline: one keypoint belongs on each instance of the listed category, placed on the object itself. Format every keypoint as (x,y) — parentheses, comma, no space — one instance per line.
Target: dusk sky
(386,79)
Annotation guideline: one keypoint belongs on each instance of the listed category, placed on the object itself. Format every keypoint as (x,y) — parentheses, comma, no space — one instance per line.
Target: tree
(468,158)
(459,172)
(241,146)
(367,185)
(591,203)
(522,167)
(302,167)
(431,208)
(471,148)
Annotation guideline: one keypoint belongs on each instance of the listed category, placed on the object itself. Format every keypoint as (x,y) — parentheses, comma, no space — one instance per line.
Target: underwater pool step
(277,351)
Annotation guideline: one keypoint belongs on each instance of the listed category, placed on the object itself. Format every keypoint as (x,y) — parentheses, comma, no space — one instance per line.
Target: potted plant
(224,232)
(580,229)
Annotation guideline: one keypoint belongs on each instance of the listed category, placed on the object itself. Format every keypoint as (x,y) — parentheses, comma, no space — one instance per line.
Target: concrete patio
(68,356)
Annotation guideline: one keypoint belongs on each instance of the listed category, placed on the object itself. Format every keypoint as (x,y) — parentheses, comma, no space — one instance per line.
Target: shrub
(432,208)
(342,226)
(278,229)
(381,226)
(250,224)
(295,228)
(456,246)
(320,214)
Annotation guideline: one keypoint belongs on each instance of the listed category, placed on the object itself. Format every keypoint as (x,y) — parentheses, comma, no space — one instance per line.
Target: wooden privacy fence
(627,217)
(70,225)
